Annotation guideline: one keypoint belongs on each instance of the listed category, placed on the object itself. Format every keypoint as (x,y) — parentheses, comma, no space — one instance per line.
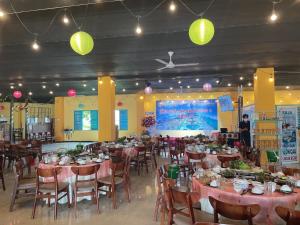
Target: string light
(138,29)
(274,15)
(172,6)
(35,45)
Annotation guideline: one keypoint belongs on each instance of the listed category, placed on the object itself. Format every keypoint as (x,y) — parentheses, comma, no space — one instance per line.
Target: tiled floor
(138,212)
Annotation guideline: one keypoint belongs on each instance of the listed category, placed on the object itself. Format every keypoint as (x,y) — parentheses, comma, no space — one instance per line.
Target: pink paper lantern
(207,87)
(72,93)
(17,94)
(148,90)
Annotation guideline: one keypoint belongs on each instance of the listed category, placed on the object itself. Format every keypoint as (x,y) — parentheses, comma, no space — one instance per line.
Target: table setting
(247,185)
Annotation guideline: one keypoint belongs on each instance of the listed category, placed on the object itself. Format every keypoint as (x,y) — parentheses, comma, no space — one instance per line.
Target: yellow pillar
(106,102)
(264,102)
(59,119)
(140,98)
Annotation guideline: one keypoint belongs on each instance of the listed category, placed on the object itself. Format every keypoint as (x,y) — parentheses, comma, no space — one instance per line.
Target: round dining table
(267,202)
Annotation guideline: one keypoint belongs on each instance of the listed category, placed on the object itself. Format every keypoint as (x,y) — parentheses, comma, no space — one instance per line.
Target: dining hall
(150,112)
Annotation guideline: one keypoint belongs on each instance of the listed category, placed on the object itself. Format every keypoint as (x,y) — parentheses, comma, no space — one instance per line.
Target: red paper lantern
(72,93)
(207,87)
(17,94)
(119,104)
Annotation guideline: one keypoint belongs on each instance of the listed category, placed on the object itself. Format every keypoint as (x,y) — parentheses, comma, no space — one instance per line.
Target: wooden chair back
(195,155)
(85,170)
(232,211)
(226,159)
(290,216)
(116,151)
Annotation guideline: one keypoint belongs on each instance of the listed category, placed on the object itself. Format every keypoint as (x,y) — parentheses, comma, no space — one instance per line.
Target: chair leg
(157,203)
(55,206)
(126,188)
(97,200)
(34,205)
(68,198)
(13,198)
(170,217)
(3,183)
(75,203)
(113,190)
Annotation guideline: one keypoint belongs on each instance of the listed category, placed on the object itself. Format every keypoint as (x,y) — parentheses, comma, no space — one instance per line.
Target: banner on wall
(288,115)
(187,115)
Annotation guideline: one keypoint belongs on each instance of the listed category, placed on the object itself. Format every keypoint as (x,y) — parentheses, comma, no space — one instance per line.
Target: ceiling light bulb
(241,78)
(29,93)
(93,89)
(57,84)
(271,79)
(287,87)
(35,46)
(139,30)
(172,6)
(171,88)
(137,84)
(229,84)
(249,84)
(44,86)
(188,86)
(217,81)
(51,92)
(84,85)
(124,90)
(274,16)
(12,87)
(20,84)
(1,13)
(159,81)
(179,82)
(197,80)
(65,20)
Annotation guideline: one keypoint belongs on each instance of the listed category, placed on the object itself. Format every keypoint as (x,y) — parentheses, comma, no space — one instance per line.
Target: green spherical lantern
(82,43)
(201,31)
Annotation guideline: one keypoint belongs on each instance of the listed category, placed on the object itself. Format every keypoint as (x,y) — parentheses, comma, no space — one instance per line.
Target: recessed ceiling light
(159,81)
(12,87)
(217,81)
(30,93)
(84,85)
(179,82)
(20,84)
(51,92)
(171,88)
(229,84)
(57,84)
(249,84)
(93,89)
(44,86)
(188,86)
(124,90)
(197,80)
(241,78)
(137,84)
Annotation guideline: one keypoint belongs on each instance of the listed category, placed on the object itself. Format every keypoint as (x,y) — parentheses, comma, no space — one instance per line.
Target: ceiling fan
(171,64)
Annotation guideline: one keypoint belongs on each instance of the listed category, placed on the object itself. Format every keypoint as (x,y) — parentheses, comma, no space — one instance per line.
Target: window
(121,119)
(86,120)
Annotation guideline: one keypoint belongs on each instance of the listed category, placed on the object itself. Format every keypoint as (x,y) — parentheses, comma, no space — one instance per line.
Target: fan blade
(161,61)
(162,68)
(187,64)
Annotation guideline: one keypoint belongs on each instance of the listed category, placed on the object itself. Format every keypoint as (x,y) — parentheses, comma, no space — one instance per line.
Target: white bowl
(258,190)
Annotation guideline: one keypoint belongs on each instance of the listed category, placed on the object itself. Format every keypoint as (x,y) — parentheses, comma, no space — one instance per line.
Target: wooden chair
(25,184)
(150,154)
(45,189)
(84,187)
(175,159)
(232,211)
(160,201)
(288,171)
(140,160)
(118,152)
(196,156)
(178,197)
(290,216)
(226,159)
(1,171)
(119,175)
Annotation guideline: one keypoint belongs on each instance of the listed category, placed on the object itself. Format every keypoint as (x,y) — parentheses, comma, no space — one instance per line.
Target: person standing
(245,137)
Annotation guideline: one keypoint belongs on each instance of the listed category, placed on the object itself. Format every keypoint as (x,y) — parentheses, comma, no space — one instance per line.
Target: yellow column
(140,98)
(59,119)
(106,102)
(264,102)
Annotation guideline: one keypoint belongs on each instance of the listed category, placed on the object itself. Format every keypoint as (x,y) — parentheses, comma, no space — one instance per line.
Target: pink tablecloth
(212,160)
(267,202)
